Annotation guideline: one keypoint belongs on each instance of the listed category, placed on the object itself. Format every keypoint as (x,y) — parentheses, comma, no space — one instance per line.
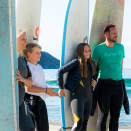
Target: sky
(52,24)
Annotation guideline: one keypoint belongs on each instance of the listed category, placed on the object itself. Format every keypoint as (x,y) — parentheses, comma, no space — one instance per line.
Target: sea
(53,103)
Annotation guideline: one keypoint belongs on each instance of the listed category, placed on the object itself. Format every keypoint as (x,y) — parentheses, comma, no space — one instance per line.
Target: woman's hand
(27,82)
(61,93)
(19,77)
(93,82)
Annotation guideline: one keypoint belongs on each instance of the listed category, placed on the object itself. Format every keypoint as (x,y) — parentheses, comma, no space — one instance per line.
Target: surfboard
(28,18)
(75,32)
(105,12)
(8,67)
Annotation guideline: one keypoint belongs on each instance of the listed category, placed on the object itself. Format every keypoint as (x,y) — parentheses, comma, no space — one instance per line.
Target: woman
(79,81)
(24,79)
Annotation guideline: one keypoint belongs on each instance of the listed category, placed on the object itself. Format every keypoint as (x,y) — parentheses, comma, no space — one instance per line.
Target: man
(108,57)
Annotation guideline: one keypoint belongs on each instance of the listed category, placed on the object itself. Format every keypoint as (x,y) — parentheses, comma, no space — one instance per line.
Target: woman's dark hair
(107,28)
(82,62)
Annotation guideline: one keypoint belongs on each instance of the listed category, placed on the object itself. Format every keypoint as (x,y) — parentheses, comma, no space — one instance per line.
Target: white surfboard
(105,12)
(28,18)
(75,32)
(8,67)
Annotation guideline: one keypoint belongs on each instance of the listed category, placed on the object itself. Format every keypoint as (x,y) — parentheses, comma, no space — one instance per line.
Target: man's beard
(112,40)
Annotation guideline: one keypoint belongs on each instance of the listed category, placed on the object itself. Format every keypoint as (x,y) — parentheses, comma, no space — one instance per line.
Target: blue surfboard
(75,31)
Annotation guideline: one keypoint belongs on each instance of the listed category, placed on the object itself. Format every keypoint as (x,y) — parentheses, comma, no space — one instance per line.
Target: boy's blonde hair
(30,47)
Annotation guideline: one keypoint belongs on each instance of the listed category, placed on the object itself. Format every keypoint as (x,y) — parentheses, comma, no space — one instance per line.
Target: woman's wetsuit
(81,99)
(25,122)
(81,103)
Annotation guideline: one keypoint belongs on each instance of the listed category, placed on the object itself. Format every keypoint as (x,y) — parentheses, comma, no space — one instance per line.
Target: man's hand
(51,92)
(61,93)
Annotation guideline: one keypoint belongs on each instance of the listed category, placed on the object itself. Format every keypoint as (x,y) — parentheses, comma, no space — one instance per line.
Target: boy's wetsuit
(25,122)
(81,103)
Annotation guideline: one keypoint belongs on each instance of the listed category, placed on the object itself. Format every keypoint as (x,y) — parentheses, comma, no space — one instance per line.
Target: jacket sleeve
(66,68)
(126,101)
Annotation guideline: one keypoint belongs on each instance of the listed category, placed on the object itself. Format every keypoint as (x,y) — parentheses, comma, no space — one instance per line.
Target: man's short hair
(107,28)
(30,47)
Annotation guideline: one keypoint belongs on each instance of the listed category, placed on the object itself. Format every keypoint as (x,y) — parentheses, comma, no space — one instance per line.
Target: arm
(36,89)
(122,58)
(96,64)
(27,82)
(93,81)
(66,68)
(122,65)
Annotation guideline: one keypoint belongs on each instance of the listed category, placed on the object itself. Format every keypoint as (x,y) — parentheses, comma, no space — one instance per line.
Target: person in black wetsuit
(79,81)
(24,79)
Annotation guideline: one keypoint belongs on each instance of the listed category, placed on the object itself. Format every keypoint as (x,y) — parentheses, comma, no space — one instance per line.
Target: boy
(37,93)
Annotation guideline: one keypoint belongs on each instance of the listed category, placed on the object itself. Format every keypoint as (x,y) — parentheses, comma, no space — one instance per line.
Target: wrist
(23,80)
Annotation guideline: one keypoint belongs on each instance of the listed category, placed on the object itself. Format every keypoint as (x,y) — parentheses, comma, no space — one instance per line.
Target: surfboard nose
(28,15)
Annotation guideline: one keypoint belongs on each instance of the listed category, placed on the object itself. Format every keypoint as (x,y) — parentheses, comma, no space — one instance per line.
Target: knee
(116,117)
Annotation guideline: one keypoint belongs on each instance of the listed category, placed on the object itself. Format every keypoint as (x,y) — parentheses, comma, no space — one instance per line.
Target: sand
(56,128)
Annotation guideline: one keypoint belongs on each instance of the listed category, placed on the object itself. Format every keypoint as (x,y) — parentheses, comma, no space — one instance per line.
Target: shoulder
(100,46)
(21,60)
(30,65)
(39,66)
(74,62)
(69,66)
(119,45)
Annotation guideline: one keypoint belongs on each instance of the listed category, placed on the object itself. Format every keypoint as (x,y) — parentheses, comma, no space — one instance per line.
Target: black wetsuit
(111,95)
(25,122)
(38,111)
(110,99)
(81,99)
(81,103)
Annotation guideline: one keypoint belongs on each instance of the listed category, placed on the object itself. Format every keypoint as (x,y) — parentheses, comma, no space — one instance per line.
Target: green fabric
(109,60)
